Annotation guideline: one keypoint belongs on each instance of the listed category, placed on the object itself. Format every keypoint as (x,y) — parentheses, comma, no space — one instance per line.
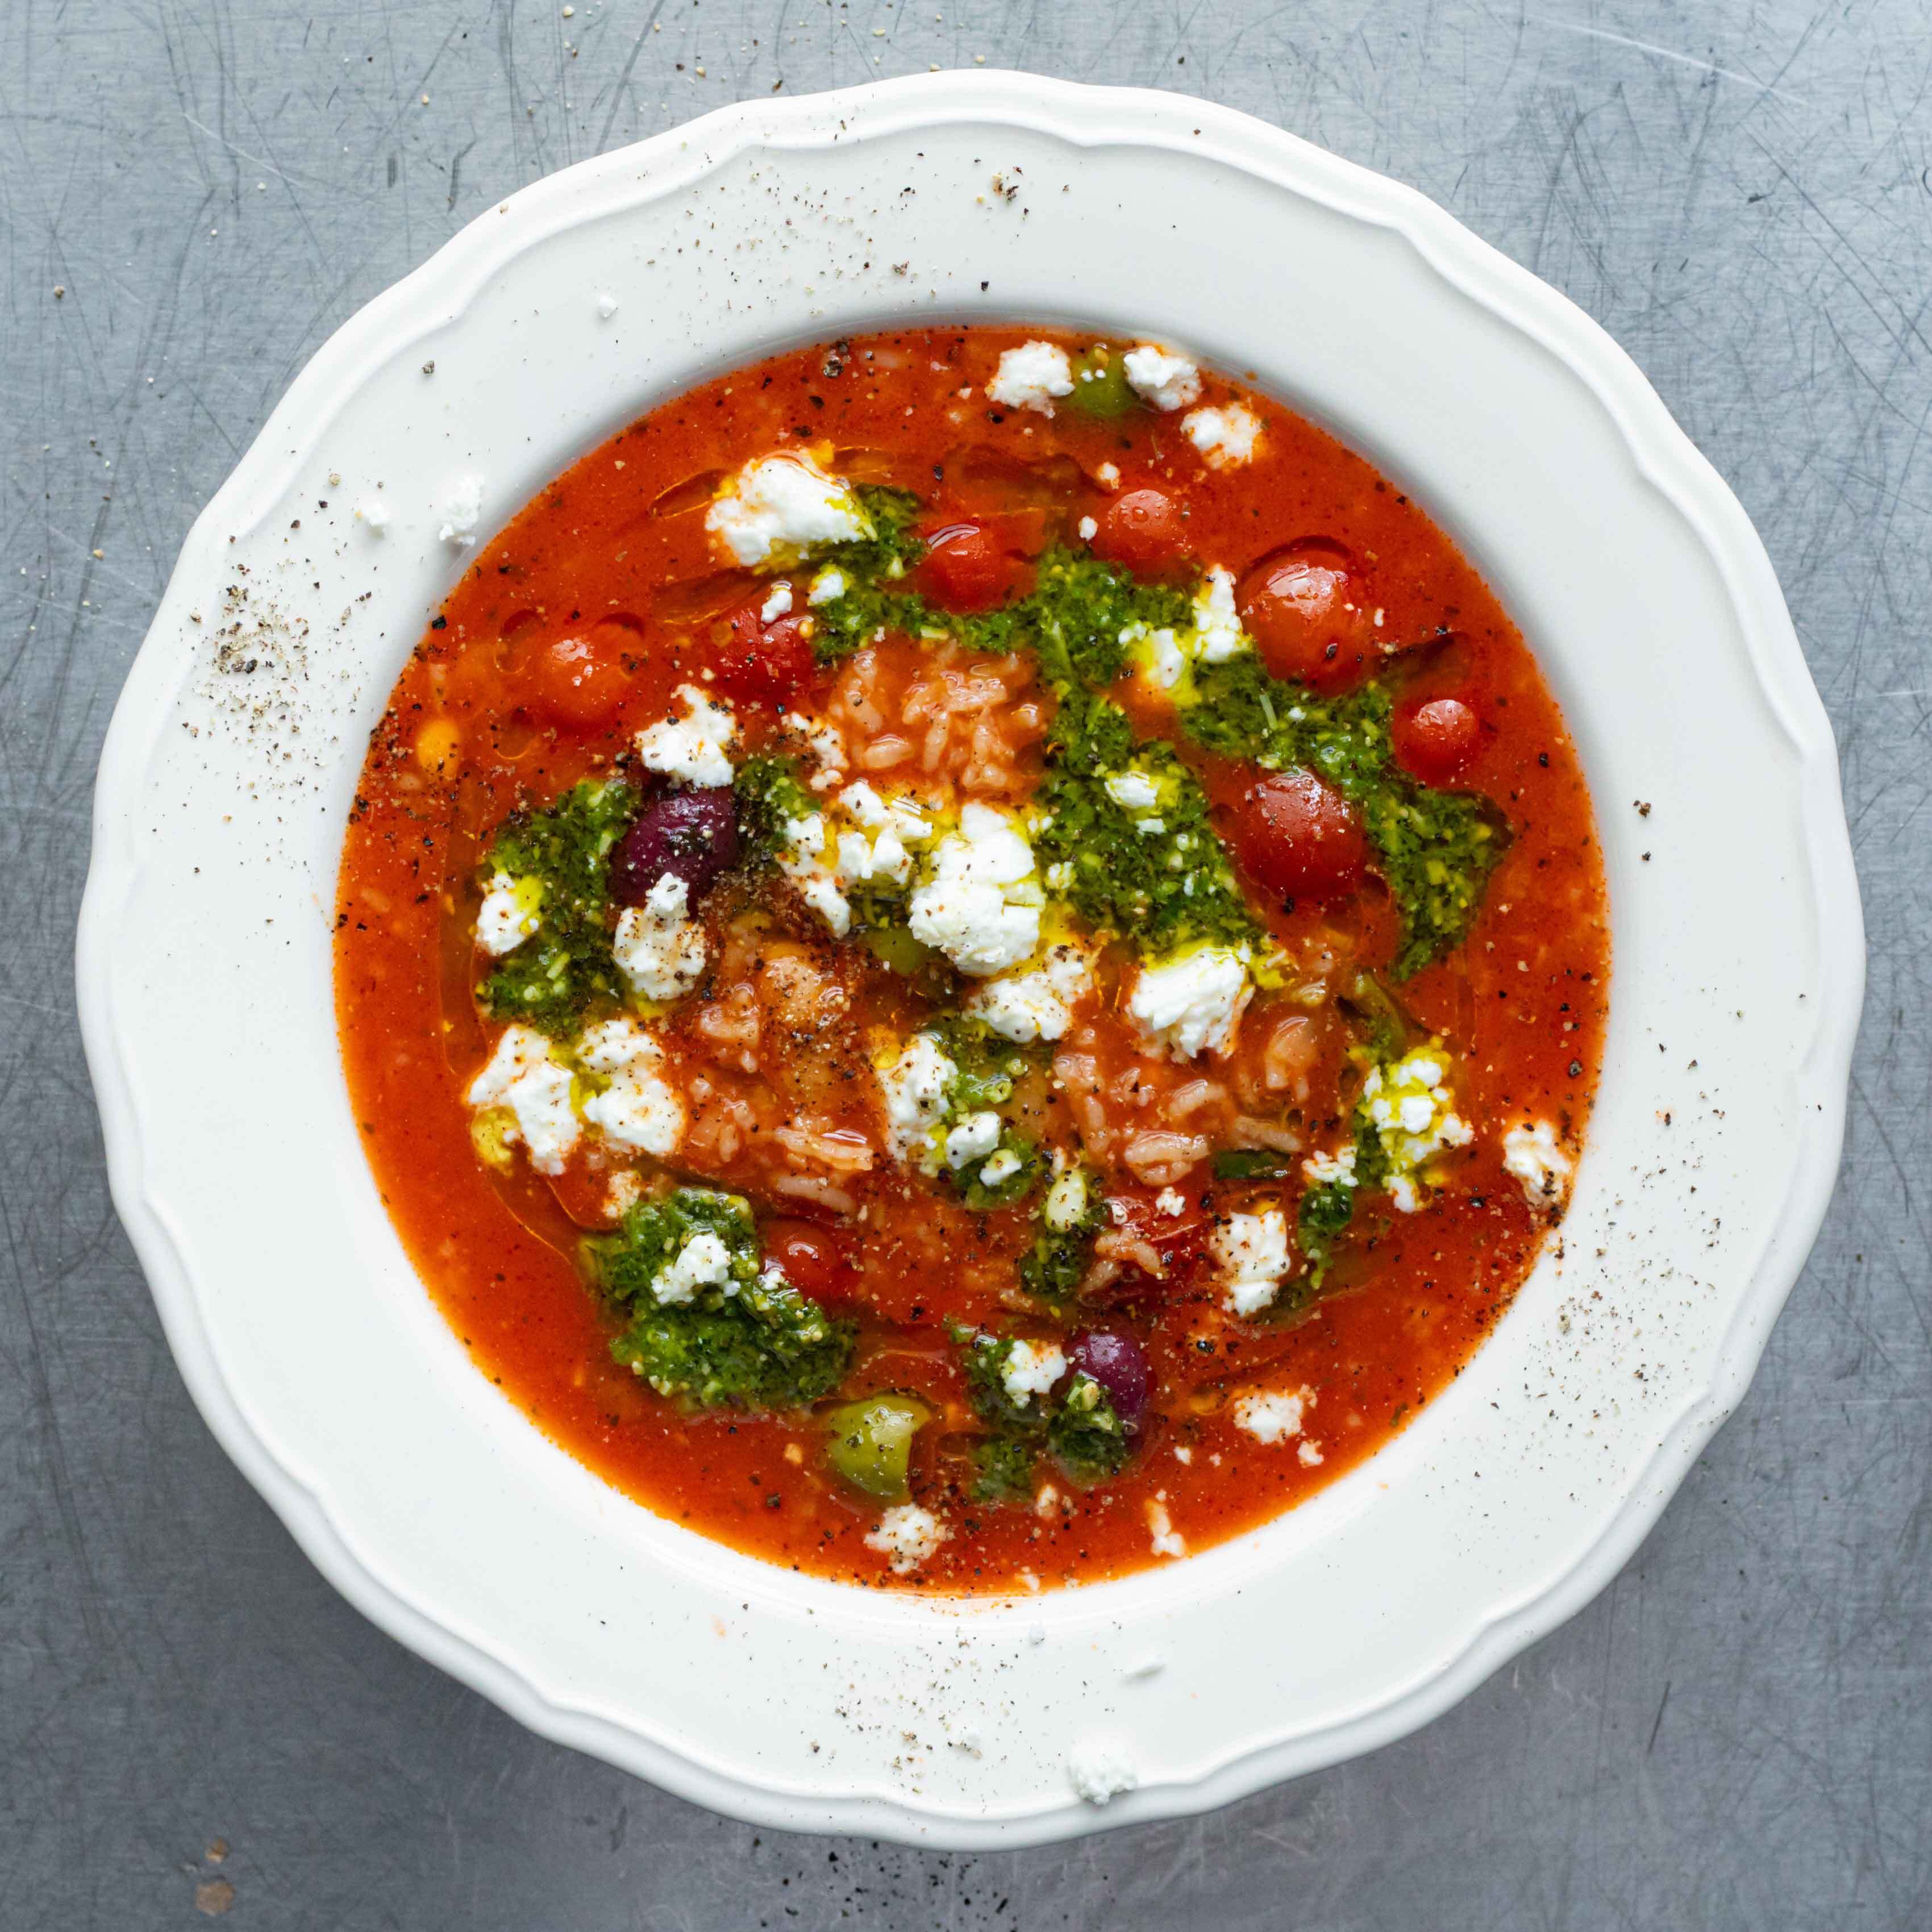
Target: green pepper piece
(869,1443)
(1101,388)
(1250,1164)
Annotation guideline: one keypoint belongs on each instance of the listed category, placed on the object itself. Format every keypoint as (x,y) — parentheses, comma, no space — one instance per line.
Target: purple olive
(693,835)
(1119,1364)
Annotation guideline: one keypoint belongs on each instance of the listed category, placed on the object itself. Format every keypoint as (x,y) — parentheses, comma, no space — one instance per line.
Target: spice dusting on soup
(972,959)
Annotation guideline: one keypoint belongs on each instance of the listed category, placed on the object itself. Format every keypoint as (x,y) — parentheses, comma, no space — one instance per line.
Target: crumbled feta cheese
(1269,1418)
(981,907)
(1224,435)
(1185,1004)
(1162,1538)
(626,1190)
(777,605)
(374,514)
(509,913)
(1109,476)
(462,511)
(1411,1108)
(1308,1456)
(973,1139)
(1252,1251)
(1089,530)
(1099,1770)
(691,748)
(779,509)
(1217,626)
(704,1261)
(607,304)
(1002,1167)
(1171,1202)
(1323,1169)
(1035,1005)
(828,586)
(1029,376)
(1167,381)
(1031,1369)
(1066,1201)
(915,1086)
(522,1077)
(907,1535)
(1133,791)
(638,1108)
(658,947)
(1531,1153)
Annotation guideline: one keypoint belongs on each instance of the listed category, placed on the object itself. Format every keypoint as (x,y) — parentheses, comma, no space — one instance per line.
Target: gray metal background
(1738,1733)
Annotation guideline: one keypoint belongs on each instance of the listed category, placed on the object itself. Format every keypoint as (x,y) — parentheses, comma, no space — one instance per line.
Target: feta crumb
(1133,791)
(777,605)
(1167,381)
(1066,1201)
(1217,626)
(522,1077)
(704,1261)
(1410,1106)
(1171,1202)
(1089,530)
(1109,476)
(607,304)
(1002,1167)
(658,947)
(1308,1456)
(1030,375)
(462,511)
(626,1190)
(373,512)
(1253,1250)
(691,748)
(1224,435)
(1321,1169)
(1191,1002)
(915,1086)
(778,509)
(1162,1538)
(1035,1005)
(638,1108)
(1269,1418)
(973,1139)
(1151,1665)
(908,1535)
(981,907)
(1100,1770)
(509,913)
(827,587)
(1031,1369)
(1532,1155)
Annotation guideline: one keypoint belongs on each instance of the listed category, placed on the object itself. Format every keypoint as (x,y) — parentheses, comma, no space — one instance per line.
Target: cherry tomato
(762,662)
(581,681)
(966,567)
(1142,531)
(1299,838)
(814,1259)
(1304,608)
(1433,741)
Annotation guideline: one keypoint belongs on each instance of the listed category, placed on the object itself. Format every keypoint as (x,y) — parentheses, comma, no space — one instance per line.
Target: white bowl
(305,1336)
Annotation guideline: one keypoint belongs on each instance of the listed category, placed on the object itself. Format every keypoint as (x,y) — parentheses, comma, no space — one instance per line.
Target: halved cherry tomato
(762,662)
(1305,608)
(581,680)
(1434,740)
(978,563)
(1142,531)
(1298,837)
(814,1260)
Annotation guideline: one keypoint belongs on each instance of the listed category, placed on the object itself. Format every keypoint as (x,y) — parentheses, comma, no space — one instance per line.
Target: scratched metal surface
(1737,1733)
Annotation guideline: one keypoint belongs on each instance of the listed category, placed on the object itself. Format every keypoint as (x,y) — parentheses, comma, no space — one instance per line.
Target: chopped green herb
(1078,1426)
(1052,1269)
(768,794)
(751,1341)
(1086,1434)
(1250,1164)
(564,968)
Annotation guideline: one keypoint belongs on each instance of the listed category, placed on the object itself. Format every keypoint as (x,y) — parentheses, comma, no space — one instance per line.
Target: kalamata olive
(691,834)
(1119,1364)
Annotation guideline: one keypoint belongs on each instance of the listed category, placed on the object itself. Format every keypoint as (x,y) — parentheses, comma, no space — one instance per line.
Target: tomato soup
(972,959)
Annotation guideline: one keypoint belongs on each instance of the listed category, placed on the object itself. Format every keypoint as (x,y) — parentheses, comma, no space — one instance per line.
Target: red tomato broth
(617,550)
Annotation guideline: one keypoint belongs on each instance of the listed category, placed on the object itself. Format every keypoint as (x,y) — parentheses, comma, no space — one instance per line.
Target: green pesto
(1327,1208)
(988,1066)
(1436,849)
(753,1342)
(1165,890)
(870,566)
(565,968)
(769,793)
(1052,1269)
(1250,1164)
(1077,1426)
